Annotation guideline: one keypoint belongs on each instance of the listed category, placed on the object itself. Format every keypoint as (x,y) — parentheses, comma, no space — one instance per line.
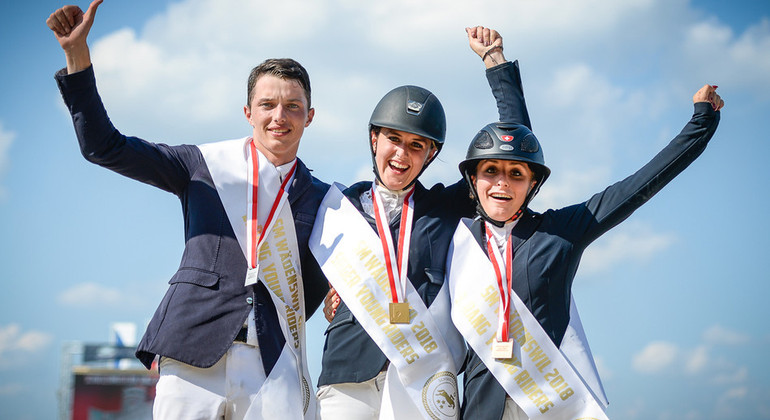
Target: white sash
(279,270)
(424,354)
(538,378)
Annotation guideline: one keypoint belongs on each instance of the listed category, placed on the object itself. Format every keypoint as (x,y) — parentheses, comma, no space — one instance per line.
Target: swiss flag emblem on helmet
(506,138)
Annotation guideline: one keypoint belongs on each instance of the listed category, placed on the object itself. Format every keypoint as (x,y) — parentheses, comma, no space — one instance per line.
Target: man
(230,330)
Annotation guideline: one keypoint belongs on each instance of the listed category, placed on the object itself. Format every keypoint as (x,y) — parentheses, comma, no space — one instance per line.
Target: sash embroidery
(280,271)
(421,379)
(537,376)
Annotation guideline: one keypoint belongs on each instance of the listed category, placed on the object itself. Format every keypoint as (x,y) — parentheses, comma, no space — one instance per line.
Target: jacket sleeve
(618,201)
(166,167)
(505,82)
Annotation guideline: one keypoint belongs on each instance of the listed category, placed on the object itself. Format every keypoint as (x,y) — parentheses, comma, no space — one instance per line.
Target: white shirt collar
(501,234)
(284,169)
(391,201)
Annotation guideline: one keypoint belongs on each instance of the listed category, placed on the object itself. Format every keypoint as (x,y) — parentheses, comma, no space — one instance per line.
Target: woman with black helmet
(391,350)
(528,356)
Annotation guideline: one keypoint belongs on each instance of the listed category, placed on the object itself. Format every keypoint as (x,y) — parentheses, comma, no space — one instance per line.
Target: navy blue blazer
(206,303)
(547,249)
(350,355)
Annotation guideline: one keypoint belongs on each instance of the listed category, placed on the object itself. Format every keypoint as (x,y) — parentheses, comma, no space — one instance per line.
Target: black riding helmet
(414,110)
(505,141)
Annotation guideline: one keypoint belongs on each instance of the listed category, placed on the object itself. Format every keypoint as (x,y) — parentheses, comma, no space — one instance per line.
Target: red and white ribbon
(504,272)
(396,262)
(254,236)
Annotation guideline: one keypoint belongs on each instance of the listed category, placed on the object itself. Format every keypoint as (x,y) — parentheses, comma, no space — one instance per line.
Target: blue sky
(673,300)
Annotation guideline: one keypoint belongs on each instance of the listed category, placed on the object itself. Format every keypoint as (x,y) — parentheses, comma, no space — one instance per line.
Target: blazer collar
(301,182)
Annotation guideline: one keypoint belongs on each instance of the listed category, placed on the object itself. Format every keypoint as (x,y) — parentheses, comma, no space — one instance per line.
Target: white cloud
(734,402)
(738,393)
(693,415)
(696,360)
(188,66)
(16,346)
(659,356)
(417,26)
(568,187)
(731,375)
(159,92)
(589,127)
(6,138)
(632,242)
(736,61)
(90,294)
(720,335)
(655,357)
(255,24)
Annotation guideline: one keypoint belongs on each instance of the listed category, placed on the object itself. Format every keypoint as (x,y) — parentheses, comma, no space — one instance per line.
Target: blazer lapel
(300,184)
(524,229)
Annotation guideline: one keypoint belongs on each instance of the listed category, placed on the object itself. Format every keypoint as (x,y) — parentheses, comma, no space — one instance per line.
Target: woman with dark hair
(528,357)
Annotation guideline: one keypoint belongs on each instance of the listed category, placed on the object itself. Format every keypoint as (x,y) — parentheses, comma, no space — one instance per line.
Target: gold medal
(399,313)
(502,350)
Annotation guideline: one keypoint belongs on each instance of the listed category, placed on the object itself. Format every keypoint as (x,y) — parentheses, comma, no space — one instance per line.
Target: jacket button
(249,300)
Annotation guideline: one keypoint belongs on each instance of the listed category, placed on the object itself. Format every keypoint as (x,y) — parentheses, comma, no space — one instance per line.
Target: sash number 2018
(558,384)
(424,337)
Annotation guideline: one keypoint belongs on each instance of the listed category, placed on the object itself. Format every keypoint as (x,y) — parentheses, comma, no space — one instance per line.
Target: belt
(241,336)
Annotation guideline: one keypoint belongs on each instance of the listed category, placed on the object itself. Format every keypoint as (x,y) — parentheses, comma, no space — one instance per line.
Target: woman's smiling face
(400,156)
(502,187)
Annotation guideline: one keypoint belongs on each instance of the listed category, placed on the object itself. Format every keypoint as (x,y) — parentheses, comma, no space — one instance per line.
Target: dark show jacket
(206,303)
(548,247)
(350,355)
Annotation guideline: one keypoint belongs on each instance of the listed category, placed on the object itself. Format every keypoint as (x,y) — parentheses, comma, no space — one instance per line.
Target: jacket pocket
(195,276)
(305,218)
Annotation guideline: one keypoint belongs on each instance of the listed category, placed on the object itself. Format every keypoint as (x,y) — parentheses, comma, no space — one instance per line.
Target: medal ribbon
(255,238)
(504,275)
(395,263)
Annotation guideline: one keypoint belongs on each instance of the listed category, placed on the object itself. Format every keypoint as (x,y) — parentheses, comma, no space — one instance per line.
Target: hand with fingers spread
(708,93)
(71,26)
(487,43)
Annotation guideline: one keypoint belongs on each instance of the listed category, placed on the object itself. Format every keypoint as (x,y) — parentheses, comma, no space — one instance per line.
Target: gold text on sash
(278,244)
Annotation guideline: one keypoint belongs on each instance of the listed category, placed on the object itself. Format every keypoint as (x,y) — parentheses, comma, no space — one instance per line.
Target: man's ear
(310,115)
(247,113)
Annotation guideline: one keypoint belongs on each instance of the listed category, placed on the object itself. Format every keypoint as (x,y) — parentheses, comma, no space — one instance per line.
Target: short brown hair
(283,68)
